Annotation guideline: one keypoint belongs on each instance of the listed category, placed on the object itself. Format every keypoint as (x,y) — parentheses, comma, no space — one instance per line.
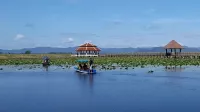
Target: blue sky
(106,23)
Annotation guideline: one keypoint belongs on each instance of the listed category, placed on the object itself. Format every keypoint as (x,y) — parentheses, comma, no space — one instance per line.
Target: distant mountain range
(38,50)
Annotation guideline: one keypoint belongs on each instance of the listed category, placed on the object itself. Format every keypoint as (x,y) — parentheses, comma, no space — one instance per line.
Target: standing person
(91,62)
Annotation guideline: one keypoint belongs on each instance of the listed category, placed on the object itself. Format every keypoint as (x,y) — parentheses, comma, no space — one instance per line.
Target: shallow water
(134,90)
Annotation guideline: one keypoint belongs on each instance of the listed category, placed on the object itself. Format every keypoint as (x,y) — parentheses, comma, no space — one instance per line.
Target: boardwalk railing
(153,54)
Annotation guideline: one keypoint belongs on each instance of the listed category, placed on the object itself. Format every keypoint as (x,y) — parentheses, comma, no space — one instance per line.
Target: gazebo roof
(173,45)
(88,47)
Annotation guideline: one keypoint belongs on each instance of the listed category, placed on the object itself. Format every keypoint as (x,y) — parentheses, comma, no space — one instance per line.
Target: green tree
(28,52)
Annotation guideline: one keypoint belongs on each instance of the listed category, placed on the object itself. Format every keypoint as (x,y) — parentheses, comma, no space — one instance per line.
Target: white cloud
(68,40)
(19,36)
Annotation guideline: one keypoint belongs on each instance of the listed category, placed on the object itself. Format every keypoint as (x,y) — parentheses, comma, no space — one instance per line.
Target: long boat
(88,71)
(85,71)
(45,61)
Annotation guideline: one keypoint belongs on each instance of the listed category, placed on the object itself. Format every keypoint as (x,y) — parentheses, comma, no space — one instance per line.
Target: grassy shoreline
(58,59)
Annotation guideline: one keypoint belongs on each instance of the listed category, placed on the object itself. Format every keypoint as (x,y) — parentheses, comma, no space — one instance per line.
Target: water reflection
(174,68)
(86,79)
(46,68)
(91,80)
(171,78)
(82,77)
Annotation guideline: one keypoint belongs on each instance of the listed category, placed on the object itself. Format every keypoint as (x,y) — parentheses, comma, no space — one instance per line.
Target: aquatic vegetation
(106,63)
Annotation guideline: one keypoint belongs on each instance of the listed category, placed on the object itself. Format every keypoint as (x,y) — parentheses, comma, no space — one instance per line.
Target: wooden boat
(45,61)
(88,71)
(45,64)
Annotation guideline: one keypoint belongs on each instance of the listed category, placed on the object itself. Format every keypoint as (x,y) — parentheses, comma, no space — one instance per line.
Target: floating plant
(104,62)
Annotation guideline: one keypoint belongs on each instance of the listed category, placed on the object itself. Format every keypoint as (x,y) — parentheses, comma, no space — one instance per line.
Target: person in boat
(80,67)
(45,61)
(85,66)
(91,62)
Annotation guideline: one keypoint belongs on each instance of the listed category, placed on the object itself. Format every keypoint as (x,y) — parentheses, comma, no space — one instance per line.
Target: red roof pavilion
(88,49)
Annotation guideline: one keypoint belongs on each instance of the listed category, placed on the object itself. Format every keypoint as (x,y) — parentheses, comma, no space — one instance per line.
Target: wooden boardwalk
(154,54)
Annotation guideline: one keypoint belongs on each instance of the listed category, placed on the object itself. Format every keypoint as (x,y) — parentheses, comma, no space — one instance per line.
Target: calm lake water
(133,90)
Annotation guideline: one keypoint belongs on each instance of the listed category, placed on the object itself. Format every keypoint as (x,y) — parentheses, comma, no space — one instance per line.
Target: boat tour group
(84,66)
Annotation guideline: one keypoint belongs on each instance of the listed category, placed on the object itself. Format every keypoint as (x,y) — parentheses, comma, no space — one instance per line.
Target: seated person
(80,67)
(46,60)
(85,67)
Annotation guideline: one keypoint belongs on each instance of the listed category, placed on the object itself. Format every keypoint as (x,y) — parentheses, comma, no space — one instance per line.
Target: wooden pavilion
(88,50)
(173,46)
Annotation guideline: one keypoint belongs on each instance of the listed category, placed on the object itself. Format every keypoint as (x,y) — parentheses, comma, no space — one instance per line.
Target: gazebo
(88,50)
(173,46)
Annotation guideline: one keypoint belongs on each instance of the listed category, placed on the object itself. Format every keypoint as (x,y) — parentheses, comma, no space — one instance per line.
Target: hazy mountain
(41,50)
(104,50)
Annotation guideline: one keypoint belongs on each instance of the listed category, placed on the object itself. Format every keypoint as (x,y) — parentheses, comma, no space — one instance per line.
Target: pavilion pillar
(175,52)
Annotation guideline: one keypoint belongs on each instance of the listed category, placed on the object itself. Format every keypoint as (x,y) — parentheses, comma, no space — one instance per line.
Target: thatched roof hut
(173,46)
